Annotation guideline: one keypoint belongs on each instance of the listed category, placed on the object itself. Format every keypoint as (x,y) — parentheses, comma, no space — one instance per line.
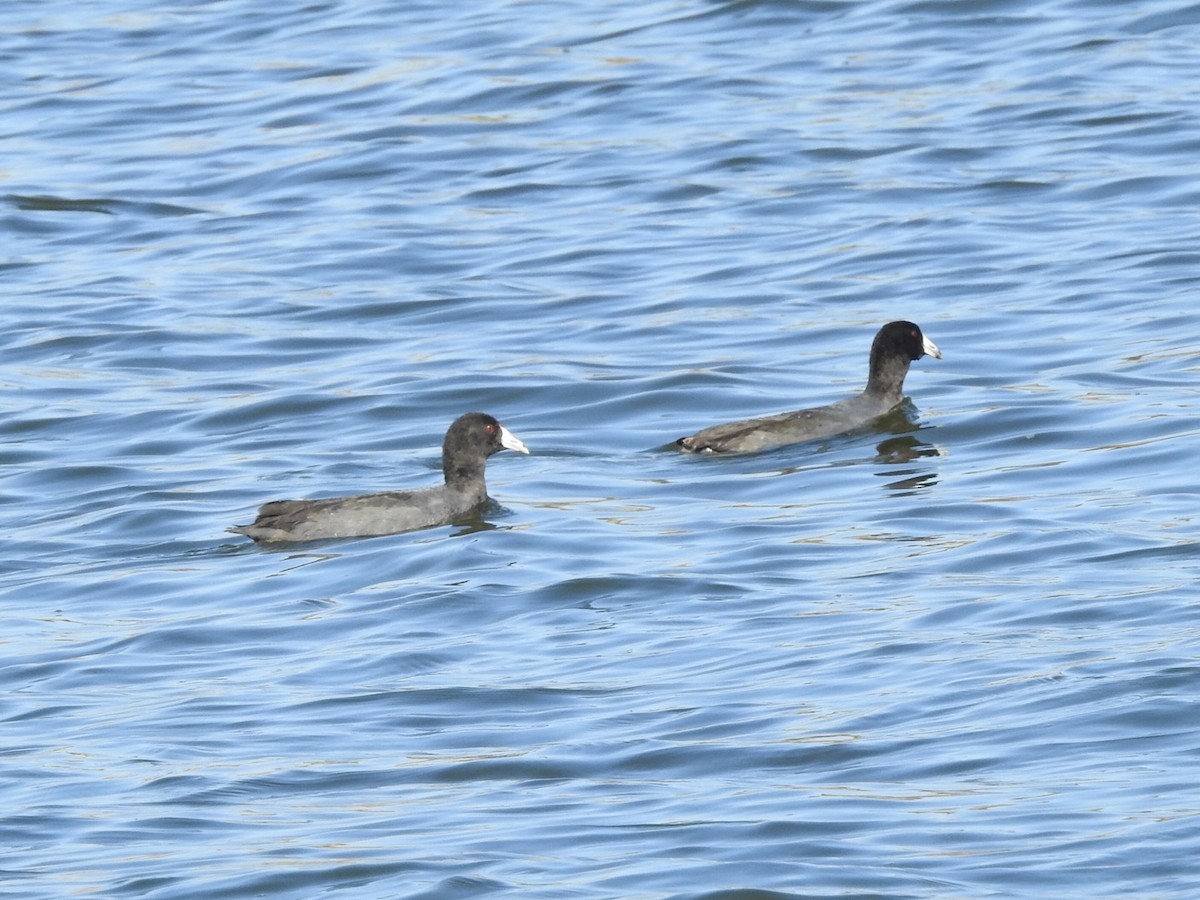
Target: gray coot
(470,440)
(896,345)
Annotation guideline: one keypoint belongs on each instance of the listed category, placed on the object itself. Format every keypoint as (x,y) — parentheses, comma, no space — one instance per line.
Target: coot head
(903,339)
(471,439)
(896,345)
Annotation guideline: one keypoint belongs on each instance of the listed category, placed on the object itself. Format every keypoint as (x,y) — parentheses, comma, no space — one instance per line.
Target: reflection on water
(912,481)
(902,450)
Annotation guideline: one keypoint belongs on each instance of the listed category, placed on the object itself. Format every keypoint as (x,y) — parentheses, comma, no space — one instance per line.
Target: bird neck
(462,473)
(887,377)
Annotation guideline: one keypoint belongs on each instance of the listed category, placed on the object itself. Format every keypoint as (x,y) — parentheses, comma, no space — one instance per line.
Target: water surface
(256,252)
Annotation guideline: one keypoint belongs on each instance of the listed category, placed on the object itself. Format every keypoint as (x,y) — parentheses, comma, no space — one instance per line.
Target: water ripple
(945,656)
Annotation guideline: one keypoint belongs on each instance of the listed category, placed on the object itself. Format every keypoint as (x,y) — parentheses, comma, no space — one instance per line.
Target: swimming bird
(895,346)
(469,441)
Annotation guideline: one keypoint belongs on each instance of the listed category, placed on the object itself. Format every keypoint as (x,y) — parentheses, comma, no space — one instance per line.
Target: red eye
(491,429)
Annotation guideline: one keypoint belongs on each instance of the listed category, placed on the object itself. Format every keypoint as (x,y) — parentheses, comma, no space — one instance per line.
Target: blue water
(254,251)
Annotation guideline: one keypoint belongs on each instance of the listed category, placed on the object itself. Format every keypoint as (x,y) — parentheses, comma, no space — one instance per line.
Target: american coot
(895,346)
(470,440)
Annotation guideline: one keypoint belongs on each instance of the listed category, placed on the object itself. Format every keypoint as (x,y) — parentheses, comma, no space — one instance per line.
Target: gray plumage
(895,346)
(469,441)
